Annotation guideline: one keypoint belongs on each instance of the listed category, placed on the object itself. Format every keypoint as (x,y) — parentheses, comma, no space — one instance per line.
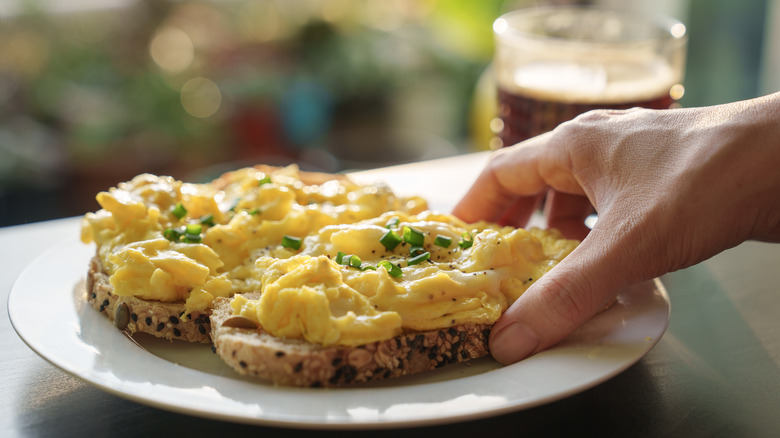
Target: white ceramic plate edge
(73,336)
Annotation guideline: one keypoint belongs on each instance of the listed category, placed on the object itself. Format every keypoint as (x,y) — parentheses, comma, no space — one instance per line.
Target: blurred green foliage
(89,98)
(100,94)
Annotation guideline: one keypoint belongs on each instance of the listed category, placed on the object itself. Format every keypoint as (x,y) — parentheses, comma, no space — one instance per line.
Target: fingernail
(513,342)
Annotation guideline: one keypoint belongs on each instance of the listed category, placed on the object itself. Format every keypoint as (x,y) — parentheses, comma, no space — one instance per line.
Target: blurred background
(93,92)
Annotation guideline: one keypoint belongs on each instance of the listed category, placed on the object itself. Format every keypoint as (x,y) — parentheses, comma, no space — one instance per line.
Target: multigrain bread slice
(161,319)
(251,351)
(170,320)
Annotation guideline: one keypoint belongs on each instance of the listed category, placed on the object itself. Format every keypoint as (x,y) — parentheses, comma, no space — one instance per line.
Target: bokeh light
(200,97)
(677,91)
(172,49)
(678,30)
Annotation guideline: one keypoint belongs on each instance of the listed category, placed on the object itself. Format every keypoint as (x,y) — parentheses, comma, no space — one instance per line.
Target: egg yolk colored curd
(336,263)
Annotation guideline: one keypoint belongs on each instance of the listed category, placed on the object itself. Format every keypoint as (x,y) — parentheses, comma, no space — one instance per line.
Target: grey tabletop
(715,372)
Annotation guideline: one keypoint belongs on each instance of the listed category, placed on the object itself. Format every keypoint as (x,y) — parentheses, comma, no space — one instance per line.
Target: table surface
(715,372)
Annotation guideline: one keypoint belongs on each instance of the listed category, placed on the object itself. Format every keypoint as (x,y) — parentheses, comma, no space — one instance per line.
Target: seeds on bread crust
(297,363)
(238,321)
(122,316)
(134,315)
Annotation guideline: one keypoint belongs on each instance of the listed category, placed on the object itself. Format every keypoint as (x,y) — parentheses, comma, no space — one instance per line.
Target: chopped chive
(191,238)
(367,267)
(391,269)
(207,220)
(264,180)
(186,234)
(291,242)
(345,259)
(173,234)
(348,260)
(179,211)
(390,240)
(253,211)
(392,223)
(416,250)
(355,261)
(443,241)
(466,240)
(413,236)
(419,258)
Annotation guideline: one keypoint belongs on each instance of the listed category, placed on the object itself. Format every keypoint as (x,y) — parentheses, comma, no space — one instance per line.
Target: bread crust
(292,362)
(134,315)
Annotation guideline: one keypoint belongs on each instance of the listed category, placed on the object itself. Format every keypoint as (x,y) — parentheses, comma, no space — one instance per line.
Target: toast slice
(291,362)
(180,289)
(170,319)
(158,318)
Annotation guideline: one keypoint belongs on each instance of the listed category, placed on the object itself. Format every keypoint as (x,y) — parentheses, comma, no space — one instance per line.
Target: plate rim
(15,298)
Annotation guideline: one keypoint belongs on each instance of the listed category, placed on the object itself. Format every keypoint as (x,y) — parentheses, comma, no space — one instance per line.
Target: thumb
(560,301)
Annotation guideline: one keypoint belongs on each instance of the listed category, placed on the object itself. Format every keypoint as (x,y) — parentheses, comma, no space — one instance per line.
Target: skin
(671,189)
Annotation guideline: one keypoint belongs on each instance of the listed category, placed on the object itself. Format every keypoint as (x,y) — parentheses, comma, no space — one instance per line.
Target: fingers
(561,300)
(567,214)
(489,199)
(509,186)
(508,191)
(519,212)
(551,309)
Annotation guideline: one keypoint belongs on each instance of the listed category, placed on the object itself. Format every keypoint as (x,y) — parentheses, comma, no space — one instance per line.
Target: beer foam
(590,83)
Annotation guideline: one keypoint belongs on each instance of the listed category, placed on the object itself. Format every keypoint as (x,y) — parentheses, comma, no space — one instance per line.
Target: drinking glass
(553,63)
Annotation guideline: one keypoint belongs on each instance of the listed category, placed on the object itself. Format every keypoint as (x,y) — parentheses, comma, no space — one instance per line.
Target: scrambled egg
(162,239)
(363,265)
(471,275)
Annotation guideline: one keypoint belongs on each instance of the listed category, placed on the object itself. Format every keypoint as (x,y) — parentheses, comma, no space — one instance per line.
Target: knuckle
(598,117)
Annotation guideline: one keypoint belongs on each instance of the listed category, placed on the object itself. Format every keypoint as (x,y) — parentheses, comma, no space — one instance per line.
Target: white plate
(48,309)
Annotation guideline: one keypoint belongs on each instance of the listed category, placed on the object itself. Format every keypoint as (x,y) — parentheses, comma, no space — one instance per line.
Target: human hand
(671,188)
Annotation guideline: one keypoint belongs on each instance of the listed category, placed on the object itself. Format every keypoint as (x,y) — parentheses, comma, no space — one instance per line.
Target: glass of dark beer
(554,63)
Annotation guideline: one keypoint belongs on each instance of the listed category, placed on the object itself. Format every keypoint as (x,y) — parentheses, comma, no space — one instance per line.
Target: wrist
(752,128)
